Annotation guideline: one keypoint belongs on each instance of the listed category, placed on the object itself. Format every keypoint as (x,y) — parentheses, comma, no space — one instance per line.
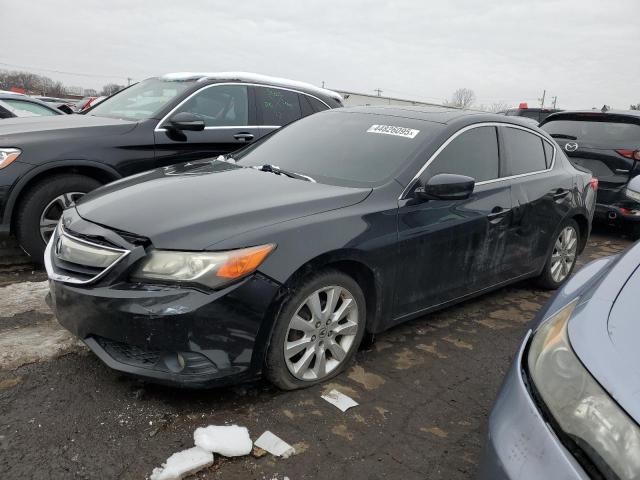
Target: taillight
(593,183)
(631,154)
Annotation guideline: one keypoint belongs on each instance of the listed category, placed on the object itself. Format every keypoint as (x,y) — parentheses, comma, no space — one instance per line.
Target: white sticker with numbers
(391,130)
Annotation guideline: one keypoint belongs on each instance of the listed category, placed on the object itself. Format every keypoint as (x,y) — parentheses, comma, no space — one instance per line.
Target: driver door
(228,111)
(448,249)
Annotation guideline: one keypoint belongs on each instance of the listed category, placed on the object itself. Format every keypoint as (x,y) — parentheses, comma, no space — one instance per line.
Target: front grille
(184,363)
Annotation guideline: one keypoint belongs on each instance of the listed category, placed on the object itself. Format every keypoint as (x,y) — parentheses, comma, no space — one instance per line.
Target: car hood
(605,331)
(196,205)
(26,125)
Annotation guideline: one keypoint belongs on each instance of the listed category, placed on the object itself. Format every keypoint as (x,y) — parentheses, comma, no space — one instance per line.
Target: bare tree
(110,89)
(498,107)
(462,98)
(635,107)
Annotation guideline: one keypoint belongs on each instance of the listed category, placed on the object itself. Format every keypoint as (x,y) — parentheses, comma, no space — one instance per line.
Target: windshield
(593,131)
(342,148)
(142,100)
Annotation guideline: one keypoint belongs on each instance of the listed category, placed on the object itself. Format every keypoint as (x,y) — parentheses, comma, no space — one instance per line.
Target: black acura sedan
(278,261)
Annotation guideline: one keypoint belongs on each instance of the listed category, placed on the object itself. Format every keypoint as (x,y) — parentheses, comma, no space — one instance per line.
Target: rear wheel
(42,207)
(317,332)
(563,256)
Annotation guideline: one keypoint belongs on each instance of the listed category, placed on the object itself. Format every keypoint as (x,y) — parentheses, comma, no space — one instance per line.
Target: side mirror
(445,186)
(186,121)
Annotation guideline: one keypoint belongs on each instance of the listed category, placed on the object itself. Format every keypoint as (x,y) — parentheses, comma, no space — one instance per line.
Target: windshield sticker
(391,130)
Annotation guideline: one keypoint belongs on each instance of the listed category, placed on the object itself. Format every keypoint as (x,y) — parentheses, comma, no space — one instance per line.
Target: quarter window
(525,151)
(473,153)
(276,106)
(219,106)
(548,153)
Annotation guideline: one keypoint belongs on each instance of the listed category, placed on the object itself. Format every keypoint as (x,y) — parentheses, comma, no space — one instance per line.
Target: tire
(549,278)
(50,194)
(319,334)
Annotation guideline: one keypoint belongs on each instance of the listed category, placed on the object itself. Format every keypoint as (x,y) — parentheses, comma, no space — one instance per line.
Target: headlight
(632,194)
(212,269)
(8,155)
(580,406)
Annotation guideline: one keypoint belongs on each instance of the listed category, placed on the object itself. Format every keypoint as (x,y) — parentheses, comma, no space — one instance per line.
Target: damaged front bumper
(171,334)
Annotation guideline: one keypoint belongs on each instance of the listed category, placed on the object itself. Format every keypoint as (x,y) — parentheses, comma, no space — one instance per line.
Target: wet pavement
(424,390)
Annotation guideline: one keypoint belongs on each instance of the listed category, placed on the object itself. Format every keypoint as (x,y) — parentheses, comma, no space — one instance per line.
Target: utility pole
(378,90)
(544,93)
(129,81)
(555,99)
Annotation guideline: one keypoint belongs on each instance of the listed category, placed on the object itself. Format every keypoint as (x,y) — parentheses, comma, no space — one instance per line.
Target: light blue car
(569,407)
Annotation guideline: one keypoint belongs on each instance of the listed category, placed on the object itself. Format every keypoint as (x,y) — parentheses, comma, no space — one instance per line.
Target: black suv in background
(47,163)
(608,144)
(537,114)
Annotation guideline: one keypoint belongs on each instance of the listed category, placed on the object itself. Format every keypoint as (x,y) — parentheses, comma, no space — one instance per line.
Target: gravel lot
(425,389)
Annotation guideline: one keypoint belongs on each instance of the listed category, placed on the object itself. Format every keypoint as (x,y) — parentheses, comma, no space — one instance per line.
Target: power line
(65,73)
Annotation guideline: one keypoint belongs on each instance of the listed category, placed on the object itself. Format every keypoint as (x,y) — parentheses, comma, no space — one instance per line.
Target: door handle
(244,136)
(560,194)
(497,214)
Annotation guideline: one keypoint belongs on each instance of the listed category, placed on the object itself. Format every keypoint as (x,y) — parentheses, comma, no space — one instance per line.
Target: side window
(473,153)
(276,106)
(27,109)
(220,105)
(548,153)
(524,150)
(317,105)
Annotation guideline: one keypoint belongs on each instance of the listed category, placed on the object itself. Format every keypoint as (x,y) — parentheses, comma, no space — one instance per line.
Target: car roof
(253,78)
(568,114)
(443,115)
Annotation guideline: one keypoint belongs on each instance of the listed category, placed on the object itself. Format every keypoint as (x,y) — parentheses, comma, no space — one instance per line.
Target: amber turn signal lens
(8,155)
(242,262)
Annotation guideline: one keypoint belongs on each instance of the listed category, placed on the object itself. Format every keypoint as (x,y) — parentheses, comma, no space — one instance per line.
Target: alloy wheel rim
(53,211)
(564,254)
(321,333)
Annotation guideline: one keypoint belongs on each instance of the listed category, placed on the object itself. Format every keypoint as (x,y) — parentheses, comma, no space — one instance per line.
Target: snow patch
(181,464)
(274,445)
(23,297)
(254,77)
(20,346)
(229,441)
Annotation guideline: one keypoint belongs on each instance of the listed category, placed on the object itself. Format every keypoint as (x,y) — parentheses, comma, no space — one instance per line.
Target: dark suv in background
(608,144)
(47,163)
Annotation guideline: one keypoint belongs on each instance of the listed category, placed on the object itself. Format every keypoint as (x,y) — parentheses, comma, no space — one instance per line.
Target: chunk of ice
(274,445)
(230,441)
(181,464)
(340,400)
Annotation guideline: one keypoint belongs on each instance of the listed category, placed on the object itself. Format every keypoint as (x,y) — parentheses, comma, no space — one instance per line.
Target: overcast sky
(585,52)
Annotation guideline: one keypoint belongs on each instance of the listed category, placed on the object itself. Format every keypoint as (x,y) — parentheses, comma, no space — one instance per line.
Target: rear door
(541,196)
(601,143)
(228,111)
(449,249)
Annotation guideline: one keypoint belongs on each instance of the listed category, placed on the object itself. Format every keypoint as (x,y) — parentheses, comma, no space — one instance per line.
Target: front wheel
(563,256)
(42,206)
(317,332)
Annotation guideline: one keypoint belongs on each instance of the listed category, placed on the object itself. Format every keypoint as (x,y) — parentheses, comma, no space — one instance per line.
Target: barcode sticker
(391,130)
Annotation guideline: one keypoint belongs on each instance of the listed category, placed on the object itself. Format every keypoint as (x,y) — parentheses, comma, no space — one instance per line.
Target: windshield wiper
(278,171)
(563,135)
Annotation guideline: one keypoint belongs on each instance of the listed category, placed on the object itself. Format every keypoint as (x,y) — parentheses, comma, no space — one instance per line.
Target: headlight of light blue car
(581,407)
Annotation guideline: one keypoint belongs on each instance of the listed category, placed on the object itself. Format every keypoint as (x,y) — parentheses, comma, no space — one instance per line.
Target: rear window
(340,148)
(525,150)
(594,131)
